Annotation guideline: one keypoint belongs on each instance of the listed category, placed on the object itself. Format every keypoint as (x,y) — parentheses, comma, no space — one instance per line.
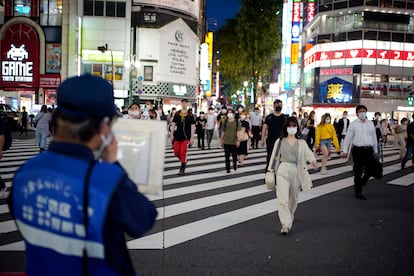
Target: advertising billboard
(178,57)
(191,7)
(335,90)
(20,58)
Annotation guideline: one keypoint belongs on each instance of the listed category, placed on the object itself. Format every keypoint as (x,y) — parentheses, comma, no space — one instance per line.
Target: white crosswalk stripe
(205,199)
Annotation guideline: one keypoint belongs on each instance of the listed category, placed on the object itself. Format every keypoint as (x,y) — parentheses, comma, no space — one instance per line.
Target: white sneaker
(4,193)
(324,170)
(284,230)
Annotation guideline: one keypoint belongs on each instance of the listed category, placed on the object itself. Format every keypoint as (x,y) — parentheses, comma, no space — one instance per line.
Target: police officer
(72,210)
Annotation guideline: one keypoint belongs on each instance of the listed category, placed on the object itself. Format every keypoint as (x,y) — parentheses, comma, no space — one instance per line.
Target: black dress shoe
(360,196)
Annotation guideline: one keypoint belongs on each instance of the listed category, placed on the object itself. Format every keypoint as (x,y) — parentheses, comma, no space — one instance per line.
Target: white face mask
(133,112)
(243,117)
(327,121)
(230,115)
(105,142)
(292,130)
(362,115)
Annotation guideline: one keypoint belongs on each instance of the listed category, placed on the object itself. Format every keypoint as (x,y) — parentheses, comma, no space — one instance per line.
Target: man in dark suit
(342,126)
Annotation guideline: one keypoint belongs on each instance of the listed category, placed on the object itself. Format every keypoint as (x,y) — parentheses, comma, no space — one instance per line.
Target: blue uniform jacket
(128,212)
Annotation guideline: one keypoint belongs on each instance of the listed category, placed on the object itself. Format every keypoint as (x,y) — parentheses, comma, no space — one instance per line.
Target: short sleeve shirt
(274,126)
(183,122)
(230,132)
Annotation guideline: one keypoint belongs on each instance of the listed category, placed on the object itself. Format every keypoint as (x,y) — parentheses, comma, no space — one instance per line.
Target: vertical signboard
(209,42)
(310,11)
(295,31)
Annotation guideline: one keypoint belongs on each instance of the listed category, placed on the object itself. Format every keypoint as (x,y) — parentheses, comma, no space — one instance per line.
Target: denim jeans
(41,139)
(409,153)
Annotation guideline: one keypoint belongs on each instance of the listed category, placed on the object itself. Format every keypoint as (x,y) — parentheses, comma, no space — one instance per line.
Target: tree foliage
(249,43)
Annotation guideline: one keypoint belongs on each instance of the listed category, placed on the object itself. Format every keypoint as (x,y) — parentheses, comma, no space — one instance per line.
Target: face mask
(243,117)
(211,112)
(223,111)
(362,115)
(148,107)
(378,117)
(257,113)
(230,115)
(292,130)
(240,110)
(327,121)
(133,112)
(105,142)
(278,108)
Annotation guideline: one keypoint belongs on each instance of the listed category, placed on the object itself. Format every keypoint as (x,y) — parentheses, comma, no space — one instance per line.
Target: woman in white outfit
(42,120)
(292,173)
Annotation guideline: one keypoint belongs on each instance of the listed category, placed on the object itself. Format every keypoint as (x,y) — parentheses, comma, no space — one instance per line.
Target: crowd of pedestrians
(361,141)
(82,125)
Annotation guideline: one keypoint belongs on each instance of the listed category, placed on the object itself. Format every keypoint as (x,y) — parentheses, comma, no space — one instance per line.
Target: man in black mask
(272,128)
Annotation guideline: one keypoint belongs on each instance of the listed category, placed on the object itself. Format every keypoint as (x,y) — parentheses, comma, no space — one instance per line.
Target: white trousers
(287,192)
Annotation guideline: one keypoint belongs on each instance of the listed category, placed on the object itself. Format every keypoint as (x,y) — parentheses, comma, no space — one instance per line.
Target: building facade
(358,52)
(147,49)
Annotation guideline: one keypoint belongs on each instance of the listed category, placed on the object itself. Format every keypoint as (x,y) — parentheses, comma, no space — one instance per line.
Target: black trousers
(256,136)
(269,148)
(363,158)
(200,137)
(230,150)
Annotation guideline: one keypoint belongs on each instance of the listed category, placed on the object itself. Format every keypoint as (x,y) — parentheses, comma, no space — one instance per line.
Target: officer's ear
(104,125)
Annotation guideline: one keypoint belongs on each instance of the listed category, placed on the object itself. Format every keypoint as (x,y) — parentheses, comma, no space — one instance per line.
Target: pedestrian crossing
(206,199)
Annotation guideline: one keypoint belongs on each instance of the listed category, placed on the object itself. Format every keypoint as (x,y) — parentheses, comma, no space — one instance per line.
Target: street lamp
(132,65)
(103,49)
(245,84)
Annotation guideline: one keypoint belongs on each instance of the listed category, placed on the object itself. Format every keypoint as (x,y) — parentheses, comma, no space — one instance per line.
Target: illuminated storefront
(31,54)
(358,55)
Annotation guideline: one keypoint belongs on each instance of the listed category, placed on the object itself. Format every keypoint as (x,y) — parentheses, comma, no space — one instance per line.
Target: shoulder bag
(270,176)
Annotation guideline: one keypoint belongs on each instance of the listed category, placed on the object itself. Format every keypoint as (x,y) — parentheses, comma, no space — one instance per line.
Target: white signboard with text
(141,146)
(179,47)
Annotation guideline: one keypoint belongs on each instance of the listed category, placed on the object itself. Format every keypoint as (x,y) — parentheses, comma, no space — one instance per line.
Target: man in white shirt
(211,124)
(256,120)
(362,137)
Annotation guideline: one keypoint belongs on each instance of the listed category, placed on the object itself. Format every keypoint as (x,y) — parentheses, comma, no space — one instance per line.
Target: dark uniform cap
(86,96)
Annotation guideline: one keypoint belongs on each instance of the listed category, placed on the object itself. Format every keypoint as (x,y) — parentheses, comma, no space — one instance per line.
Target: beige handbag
(270,176)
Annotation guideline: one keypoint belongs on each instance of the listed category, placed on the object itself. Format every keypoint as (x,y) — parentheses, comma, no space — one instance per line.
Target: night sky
(220,11)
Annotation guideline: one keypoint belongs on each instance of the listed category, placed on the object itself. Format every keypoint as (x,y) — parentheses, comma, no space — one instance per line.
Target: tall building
(148,49)
(358,52)
(31,43)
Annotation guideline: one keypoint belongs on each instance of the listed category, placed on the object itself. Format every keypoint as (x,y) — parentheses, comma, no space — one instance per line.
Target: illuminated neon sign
(17,69)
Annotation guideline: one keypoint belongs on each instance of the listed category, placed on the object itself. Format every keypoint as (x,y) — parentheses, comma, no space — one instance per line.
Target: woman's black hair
(137,104)
(290,122)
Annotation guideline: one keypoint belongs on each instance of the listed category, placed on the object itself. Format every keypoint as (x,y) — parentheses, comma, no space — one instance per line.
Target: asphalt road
(333,233)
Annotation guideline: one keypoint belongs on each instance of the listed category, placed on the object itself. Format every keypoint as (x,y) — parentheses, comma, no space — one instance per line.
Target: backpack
(7,133)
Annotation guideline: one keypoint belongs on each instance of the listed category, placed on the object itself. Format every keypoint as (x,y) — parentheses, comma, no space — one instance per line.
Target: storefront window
(104,8)
(22,8)
(103,70)
(51,12)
